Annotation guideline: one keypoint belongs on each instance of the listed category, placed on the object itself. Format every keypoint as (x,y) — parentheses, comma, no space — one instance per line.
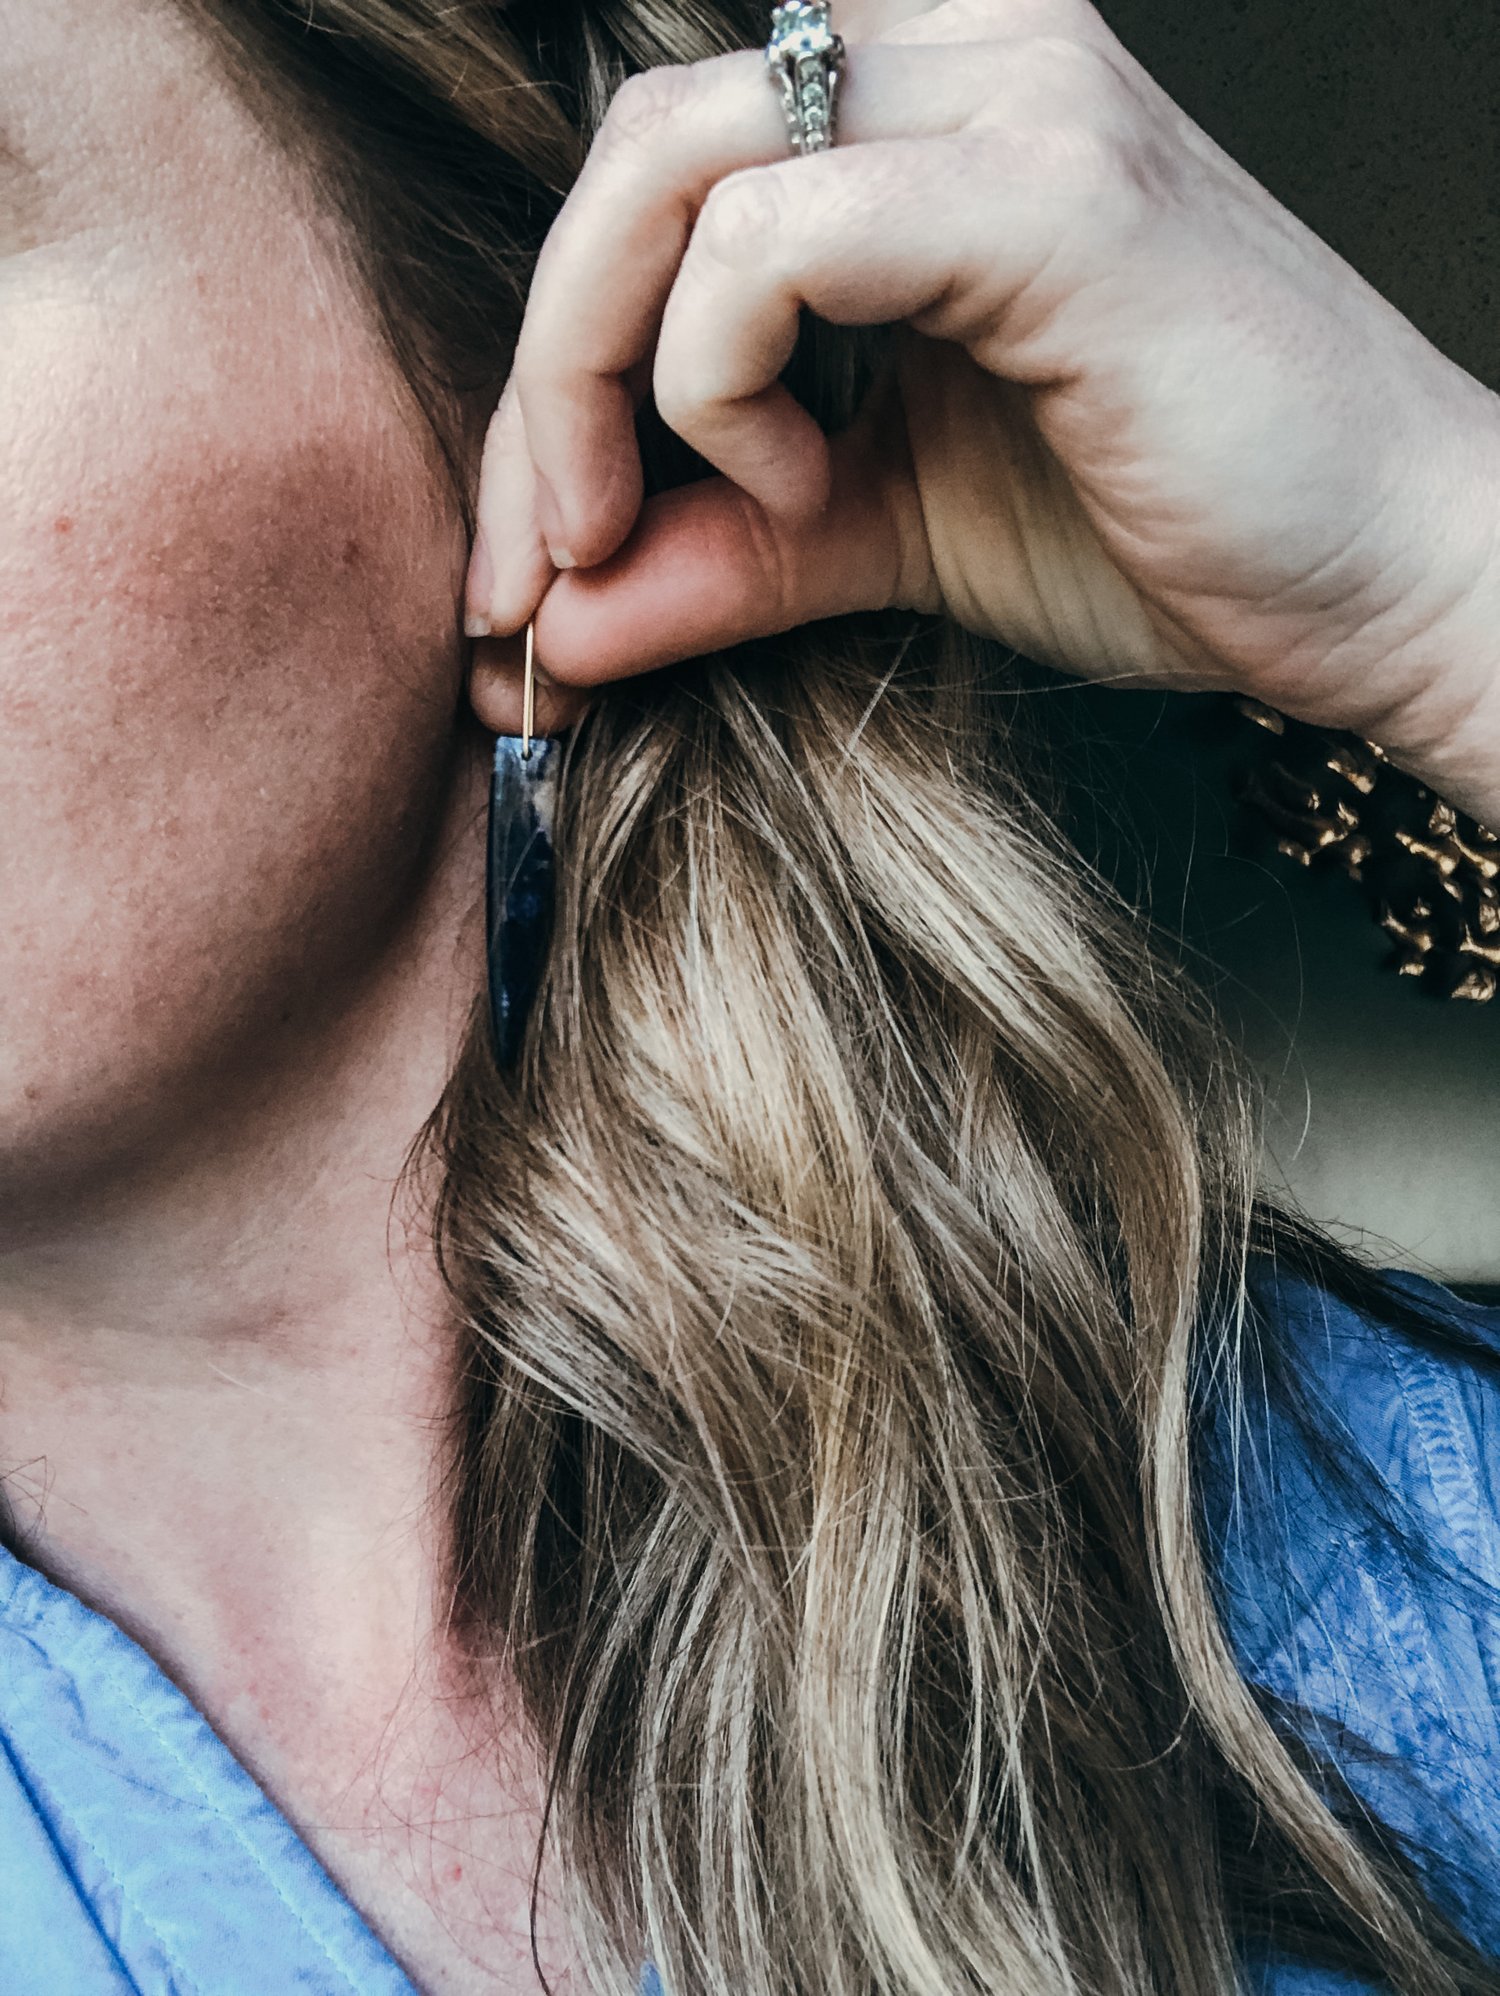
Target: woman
(831,1482)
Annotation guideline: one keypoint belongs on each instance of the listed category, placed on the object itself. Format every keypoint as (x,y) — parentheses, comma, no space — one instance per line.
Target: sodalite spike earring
(523,800)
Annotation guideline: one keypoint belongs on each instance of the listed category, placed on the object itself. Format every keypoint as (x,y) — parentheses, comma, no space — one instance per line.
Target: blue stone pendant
(523,798)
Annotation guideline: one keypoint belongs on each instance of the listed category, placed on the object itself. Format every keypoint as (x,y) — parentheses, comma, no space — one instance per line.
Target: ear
(496,689)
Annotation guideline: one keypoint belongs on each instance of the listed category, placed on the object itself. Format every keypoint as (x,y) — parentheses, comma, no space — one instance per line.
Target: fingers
(610,261)
(863,20)
(971,21)
(690,247)
(509,568)
(708,567)
(870,236)
(849,235)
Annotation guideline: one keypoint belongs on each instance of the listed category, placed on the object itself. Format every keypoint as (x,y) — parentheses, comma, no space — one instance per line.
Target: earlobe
(496,672)
(496,690)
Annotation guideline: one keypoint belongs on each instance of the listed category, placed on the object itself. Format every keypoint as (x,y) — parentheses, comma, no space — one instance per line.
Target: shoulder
(135,1851)
(1404,1399)
(1352,1513)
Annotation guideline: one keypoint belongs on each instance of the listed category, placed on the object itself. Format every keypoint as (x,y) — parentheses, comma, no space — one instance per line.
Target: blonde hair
(837,1271)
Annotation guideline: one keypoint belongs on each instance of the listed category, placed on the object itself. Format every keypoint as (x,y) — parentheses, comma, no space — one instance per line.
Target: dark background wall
(1378,126)
(1376,123)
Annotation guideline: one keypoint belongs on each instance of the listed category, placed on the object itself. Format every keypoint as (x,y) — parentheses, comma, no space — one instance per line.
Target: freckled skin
(229,667)
(241,880)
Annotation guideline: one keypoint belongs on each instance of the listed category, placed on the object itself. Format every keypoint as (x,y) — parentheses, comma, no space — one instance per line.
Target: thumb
(708,566)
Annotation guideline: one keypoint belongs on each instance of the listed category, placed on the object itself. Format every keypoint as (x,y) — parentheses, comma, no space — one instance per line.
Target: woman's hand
(1139,422)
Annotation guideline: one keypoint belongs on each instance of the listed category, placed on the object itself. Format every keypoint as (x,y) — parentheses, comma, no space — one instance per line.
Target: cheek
(229,671)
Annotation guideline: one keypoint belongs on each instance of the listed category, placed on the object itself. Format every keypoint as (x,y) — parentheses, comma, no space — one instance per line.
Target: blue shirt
(137,1855)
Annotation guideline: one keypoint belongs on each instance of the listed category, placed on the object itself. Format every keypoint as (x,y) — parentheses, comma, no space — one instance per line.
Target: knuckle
(973,25)
(680,398)
(1070,74)
(644,107)
(1078,19)
(1085,160)
(743,214)
(1084,123)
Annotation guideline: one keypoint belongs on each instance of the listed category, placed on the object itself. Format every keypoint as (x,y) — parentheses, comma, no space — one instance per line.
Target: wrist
(1434,705)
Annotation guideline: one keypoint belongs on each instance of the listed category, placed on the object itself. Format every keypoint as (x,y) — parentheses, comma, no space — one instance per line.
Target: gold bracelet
(1430,872)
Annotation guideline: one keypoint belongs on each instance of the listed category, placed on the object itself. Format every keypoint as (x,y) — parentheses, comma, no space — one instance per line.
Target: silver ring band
(806,59)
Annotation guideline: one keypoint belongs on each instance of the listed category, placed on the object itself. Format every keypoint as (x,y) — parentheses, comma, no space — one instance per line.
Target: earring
(519,889)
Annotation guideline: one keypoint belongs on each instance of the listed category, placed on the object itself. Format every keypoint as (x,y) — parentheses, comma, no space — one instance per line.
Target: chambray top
(137,1855)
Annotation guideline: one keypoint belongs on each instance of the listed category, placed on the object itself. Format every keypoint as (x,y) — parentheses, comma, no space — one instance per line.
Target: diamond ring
(806,59)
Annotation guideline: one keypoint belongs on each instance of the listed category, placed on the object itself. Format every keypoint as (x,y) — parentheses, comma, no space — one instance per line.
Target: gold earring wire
(528,693)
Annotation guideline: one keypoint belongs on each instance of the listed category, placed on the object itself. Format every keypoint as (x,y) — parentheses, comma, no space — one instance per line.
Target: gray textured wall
(1377,125)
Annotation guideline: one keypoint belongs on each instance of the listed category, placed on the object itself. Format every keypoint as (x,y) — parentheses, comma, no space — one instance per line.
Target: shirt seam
(39,1790)
(235,1829)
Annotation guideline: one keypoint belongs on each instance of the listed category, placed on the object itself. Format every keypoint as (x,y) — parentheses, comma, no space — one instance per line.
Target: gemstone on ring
(805,58)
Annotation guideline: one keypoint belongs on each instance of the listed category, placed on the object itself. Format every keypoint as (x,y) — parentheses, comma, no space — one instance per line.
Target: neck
(226,1376)
(226,1364)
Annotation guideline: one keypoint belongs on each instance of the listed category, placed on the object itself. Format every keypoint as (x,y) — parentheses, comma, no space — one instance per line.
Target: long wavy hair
(837,1270)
